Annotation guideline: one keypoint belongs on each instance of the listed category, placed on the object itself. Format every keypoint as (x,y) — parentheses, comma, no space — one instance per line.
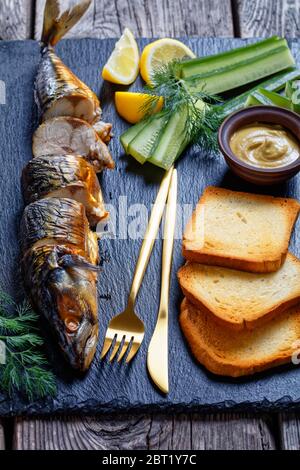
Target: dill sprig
(23,367)
(202,121)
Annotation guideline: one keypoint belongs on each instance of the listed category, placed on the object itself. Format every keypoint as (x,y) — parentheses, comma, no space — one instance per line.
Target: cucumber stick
(245,72)
(253,100)
(268,98)
(143,144)
(292,91)
(172,141)
(229,58)
(292,86)
(130,134)
(257,98)
(275,83)
(275,99)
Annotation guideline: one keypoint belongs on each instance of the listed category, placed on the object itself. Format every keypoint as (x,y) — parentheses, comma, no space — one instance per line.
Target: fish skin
(60,221)
(72,175)
(44,174)
(55,81)
(62,287)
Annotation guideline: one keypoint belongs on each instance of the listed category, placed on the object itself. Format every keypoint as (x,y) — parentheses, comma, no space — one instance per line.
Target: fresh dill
(23,368)
(202,121)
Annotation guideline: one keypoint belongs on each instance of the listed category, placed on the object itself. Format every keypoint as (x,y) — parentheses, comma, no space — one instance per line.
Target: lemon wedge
(122,66)
(130,105)
(161,52)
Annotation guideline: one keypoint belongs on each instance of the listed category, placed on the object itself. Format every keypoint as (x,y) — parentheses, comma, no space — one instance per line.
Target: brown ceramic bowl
(267,114)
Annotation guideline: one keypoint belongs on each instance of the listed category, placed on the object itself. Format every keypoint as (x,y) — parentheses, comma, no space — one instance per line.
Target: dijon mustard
(265,145)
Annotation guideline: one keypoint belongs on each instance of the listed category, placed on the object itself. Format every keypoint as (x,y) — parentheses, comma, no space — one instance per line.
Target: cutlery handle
(150,236)
(169,229)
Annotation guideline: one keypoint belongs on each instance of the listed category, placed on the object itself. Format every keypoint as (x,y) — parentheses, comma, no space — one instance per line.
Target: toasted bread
(239,299)
(240,230)
(244,353)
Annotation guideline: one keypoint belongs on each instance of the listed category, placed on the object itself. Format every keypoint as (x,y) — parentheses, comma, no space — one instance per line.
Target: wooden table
(21,19)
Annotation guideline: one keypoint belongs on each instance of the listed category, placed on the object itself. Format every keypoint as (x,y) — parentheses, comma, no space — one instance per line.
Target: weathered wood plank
(150,18)
(289,425)
(162,432)
(267,17)
(112,432)
(232,432)
(16,19)
(2,441)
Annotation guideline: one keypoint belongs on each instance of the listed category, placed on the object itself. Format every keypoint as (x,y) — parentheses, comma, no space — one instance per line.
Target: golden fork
(126,328)
(157,357)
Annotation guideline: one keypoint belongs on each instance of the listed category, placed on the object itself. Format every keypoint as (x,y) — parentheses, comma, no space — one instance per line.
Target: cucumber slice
(142,146)
(172,141)
(274,83)
(245,72)
(229,58)
(130,134)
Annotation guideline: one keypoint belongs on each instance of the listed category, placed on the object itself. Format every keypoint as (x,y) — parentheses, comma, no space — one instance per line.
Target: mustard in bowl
(262,144)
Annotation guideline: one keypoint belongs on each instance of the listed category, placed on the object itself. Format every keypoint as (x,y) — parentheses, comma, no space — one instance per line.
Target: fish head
(62,287)
(73,292)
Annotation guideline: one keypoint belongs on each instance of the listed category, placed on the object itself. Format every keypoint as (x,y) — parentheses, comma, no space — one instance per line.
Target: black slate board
(108,387)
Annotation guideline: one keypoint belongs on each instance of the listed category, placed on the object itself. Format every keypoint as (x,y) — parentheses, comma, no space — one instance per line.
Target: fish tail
(57,21)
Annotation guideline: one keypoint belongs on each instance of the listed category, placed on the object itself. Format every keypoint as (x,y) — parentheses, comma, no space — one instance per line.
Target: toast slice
(245,353)
(240,230)
(239,299)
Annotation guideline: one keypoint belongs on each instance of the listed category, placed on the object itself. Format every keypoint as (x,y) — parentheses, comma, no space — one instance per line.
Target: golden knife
(157,358)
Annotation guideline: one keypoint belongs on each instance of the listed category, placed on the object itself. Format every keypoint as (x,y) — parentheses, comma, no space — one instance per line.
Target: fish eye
(72,324)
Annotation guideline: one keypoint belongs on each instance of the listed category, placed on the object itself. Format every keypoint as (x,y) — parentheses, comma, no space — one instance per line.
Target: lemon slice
(130,105)
(161,52)
(123,64)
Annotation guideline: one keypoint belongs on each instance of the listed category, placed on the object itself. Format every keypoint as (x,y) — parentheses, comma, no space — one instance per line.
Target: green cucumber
(257,98)
(142,146)
(234,56)
(172,141)
(275,83)
(291,86)
(130,134)
(243,73)
(253,100)
(268,98)
(275,99)
(292,91)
